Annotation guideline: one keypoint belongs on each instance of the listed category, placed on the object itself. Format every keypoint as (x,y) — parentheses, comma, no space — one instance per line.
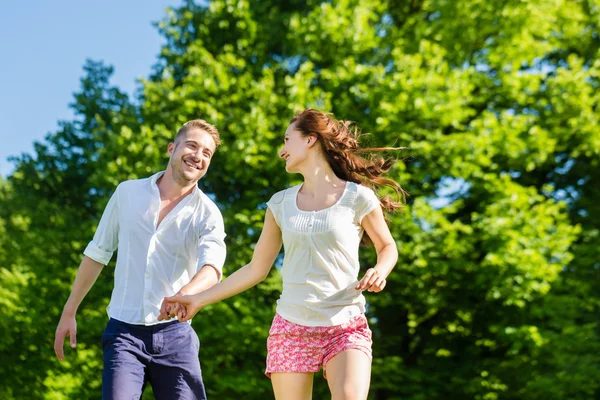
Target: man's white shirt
(155,261)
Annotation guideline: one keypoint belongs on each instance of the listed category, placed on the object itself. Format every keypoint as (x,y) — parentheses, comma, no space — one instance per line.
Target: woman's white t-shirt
(320,266)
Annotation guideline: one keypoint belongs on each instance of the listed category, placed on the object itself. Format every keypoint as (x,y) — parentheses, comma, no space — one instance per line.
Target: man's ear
(312,139)
(171,148)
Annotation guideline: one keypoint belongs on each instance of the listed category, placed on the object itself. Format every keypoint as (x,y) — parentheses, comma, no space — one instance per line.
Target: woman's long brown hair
(339,141)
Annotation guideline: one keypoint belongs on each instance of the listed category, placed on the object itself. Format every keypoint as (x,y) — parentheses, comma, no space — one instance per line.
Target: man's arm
(205,278)
(88,272)
(97,254)
(211,257)
(211,246)
(264,256)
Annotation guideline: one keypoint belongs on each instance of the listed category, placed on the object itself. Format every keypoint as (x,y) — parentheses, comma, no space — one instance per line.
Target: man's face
(190,156)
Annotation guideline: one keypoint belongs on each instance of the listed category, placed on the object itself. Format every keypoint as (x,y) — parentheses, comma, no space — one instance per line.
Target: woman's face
(295,149)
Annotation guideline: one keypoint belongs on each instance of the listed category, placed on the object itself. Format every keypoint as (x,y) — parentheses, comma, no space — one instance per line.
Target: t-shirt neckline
(295,198)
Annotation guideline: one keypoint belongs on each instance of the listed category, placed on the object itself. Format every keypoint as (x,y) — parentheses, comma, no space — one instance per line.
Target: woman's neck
(320,176)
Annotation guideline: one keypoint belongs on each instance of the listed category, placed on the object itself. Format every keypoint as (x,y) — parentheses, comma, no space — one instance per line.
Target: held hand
(188,306)
(168,310)
(372,281)
(67,326)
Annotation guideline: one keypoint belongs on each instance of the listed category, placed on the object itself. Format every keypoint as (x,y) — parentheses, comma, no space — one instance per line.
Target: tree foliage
(497,289)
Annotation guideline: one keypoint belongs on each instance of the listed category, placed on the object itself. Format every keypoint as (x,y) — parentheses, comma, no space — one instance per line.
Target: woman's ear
(312,139)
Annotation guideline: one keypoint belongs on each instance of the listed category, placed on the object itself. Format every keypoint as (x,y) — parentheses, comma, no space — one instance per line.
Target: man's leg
(175,368)
(123,377)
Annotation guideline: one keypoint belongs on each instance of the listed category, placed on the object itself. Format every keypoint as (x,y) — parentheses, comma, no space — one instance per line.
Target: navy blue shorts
(165,355)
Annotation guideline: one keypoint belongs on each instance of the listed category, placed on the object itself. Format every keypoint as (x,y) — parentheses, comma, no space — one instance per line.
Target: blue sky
(43,46)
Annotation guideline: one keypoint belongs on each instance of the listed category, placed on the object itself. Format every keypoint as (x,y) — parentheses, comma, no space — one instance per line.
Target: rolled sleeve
(105,240)
(211,245)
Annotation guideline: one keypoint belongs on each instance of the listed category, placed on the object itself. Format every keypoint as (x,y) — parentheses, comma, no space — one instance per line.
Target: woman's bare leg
(349,375)
(292,385)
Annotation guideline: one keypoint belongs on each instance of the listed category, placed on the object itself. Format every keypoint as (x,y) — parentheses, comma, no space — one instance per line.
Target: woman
(320,319)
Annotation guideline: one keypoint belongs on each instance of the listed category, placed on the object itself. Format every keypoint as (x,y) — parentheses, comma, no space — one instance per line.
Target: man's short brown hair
(202,125)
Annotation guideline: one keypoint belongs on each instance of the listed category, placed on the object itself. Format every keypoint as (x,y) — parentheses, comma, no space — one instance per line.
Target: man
(170,240)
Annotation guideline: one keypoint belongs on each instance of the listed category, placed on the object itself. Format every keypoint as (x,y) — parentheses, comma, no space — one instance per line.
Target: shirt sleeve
(367,201)
(275,204)
(106,238)
(211,245)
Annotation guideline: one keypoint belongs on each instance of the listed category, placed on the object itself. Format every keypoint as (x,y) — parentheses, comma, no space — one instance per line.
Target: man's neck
(171,190)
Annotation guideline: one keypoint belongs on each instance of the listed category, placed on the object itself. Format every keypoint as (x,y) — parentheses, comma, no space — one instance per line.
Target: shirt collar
(155,177)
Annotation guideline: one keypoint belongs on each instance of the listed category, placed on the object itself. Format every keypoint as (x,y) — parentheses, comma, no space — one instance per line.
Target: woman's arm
(264,255)
(387,252)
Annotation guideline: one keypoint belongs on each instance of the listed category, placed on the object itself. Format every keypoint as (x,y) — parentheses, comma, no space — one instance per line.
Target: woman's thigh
(292,385)
(349,375)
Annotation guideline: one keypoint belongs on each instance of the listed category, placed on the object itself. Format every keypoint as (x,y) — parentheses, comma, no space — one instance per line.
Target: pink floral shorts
(297,348)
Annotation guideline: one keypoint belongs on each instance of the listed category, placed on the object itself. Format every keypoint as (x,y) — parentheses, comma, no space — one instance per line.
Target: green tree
(496,293)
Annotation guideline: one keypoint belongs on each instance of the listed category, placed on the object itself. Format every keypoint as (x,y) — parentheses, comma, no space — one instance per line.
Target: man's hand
(204,279)
(168,310)
(188,306)
(67,326)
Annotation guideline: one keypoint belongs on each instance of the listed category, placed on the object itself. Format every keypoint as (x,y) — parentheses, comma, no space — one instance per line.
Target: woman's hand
(372,281)
(185,307)
(168,310)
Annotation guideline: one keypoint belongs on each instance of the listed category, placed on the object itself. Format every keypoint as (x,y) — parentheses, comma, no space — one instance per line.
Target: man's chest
(154,217)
